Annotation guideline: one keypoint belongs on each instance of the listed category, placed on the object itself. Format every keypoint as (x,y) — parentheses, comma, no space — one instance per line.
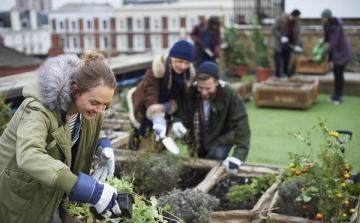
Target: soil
(192,177)
(221,188)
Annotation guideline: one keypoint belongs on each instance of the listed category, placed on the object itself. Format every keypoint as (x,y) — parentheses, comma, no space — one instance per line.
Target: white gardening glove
(159,127)
(298,49)
(232,164)
(178,129)
(284,39)
(107,163)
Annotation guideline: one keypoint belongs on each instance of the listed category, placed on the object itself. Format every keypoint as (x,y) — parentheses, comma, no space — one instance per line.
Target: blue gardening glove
(167,106)
(101,196)
(232,164)
(178,129)
(107,160)
(159,127)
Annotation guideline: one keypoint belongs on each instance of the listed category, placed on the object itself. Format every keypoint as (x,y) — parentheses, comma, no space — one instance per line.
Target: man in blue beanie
(153,101)
(212,118)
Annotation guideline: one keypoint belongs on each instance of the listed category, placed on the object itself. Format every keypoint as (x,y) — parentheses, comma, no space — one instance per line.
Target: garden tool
(170,145)
(345,139)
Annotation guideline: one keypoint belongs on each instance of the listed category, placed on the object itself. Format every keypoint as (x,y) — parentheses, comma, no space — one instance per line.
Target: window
(156,42)
(192,23)
(62,42)
(173,39)
(122,42)
(61,25)
(104,24)
(75,42)
(138,42)
(174,24)
(73,25)
(156,24)
(138,24)
(89,25)
(106,42)
(121,24)
(89,42)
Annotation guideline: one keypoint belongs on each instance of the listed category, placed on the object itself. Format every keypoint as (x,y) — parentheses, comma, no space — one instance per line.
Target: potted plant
(235,52)
(259,46)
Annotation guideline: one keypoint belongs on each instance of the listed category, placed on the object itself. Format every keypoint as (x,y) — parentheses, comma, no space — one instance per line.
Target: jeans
(339,79)
(285,55)
(222,152)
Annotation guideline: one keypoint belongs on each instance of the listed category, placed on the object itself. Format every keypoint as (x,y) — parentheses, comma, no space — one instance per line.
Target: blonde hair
(92,71)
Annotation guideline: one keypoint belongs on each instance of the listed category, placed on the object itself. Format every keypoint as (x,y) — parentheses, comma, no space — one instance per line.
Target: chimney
(33,20)
(15,19)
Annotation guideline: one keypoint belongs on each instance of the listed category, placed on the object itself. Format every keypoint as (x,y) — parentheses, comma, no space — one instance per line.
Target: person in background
(153,100)
(338,50)
(206,38)
(286,37)
(48,147)
(216,118)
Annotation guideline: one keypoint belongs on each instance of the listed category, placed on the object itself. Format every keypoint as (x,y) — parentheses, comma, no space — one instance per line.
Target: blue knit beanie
(209,68)
(182,49)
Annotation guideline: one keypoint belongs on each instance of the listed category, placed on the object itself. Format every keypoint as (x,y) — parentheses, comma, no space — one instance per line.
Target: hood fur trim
(158,67)
(55,76)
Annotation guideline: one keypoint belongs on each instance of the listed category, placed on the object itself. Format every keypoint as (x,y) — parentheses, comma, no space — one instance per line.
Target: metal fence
(267,11)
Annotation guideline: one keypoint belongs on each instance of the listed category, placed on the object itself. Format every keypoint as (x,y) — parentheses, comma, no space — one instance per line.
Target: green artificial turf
(270,141)
(270,127)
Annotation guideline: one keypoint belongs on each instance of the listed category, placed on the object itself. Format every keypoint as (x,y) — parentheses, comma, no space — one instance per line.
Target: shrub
(191,205)
(5,113)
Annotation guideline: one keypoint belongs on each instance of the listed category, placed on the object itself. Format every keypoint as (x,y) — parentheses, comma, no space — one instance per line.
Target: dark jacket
(229,123)
(36,162)
(197,35)
(144,98)
(339,46)
(280,29)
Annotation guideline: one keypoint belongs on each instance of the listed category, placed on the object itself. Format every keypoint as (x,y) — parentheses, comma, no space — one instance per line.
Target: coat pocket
(18,190)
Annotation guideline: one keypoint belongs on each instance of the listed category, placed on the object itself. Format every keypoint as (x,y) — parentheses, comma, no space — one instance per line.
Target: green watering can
(317,51)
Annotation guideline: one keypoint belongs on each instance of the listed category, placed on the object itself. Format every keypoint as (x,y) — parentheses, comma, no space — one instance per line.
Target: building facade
(131,28)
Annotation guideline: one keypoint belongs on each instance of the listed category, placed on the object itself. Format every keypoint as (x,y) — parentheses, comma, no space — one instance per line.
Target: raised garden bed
(293,93)
(243,88)
(305,66)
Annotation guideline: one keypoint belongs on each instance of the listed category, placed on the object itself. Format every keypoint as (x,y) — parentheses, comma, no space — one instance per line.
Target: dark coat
(280,29)
(229,123)
(145,96)
(197,35)
(339,46)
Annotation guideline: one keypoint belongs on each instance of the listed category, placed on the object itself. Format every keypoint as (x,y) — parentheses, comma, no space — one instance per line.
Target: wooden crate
(285,94)
(305,66)
(243,88)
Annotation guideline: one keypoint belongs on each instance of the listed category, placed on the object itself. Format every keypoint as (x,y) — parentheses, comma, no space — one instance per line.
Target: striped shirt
(75,124)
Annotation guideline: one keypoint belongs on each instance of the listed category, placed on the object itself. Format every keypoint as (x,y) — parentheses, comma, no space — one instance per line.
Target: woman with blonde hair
(153,100)
(48,147)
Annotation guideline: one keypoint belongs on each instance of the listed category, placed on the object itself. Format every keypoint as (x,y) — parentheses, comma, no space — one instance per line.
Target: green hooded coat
(37,163)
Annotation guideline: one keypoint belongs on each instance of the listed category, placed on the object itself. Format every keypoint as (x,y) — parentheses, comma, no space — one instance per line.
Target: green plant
(259,45)
(191,205)
(235,51)
(247,192)
(325,176)
(241,193)
(155,174)
(141,212)
(5,113)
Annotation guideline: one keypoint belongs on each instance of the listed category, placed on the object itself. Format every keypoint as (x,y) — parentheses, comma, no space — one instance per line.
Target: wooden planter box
(286,94)
(243,88)
(305,66)
(351,87)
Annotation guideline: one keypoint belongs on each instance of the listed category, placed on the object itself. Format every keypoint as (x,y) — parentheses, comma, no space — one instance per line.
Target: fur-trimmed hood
(55,76)
(158,67)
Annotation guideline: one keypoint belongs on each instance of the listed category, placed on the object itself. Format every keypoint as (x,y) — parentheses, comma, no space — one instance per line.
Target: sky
(6,5)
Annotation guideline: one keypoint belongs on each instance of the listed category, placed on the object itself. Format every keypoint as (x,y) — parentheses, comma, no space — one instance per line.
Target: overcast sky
(6,5)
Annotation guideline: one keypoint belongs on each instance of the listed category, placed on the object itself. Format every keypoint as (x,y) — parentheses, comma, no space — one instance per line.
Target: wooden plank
(305,66)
